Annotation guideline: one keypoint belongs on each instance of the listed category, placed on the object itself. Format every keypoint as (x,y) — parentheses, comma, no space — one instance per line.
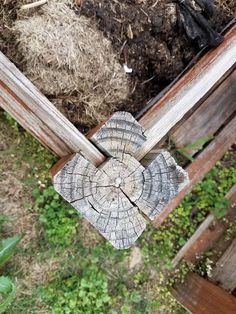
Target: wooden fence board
(210,116)
(207,233)
(199,296)
(187,92)
(202,164)
(35,113)
(225,271)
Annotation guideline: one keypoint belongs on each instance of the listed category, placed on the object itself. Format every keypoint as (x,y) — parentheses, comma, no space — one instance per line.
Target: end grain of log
(117,195)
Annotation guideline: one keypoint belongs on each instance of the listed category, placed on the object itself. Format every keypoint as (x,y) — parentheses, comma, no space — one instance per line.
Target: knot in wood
(116,196)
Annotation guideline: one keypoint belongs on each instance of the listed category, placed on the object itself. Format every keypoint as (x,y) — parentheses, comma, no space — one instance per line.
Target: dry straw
(68,58)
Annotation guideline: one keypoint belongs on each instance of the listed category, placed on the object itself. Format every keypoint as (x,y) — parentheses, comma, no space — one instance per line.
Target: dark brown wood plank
(199,296)
(207,233)
(201,165)
(224,273)
(38,115)
(210,116)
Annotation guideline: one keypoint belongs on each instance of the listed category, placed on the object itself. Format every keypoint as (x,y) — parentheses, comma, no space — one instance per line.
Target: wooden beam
(115,196)
(188,92)
(209,116)
(207,233)
(201,165)
(199,296)
(224,274)
(38,115)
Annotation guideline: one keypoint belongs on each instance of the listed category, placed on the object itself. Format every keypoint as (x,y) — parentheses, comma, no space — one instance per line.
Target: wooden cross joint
(116,196)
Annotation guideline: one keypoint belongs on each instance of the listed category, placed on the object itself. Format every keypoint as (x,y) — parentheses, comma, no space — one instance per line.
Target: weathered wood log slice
(117,195)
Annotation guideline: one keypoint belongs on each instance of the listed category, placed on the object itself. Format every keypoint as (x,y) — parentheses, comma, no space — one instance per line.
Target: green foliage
(29,150)
(128,294)
(231,231)
(196,146)
(97,279)
(3,219)
(7,287)
(206,197)
(86,292)
(7,248)
(220,208)
(11,121)
(59,219)
(8,293)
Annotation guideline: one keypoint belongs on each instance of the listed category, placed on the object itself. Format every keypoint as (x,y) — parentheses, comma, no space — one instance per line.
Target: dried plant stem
(33,4)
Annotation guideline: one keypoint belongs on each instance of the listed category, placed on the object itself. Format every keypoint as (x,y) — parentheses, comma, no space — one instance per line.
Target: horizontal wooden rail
(208,118)
(38,115)
(224,273)
(35,113)
(200,296)
(202,164)
(207,233)
(192,88)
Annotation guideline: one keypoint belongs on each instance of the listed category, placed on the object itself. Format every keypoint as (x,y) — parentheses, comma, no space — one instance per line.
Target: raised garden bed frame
(197,101)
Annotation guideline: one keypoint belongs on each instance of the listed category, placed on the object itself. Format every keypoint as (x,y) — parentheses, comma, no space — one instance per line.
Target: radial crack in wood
(97,194)
(120,134)
(163,179)
(114,196)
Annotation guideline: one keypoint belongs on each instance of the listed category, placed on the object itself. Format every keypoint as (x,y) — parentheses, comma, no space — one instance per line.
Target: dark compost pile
(146,37)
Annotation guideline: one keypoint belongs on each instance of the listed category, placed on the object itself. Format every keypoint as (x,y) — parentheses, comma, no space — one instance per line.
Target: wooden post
(199,296)
(114,196)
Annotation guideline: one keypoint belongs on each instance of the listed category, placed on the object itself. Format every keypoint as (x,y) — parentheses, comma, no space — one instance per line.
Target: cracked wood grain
(163,179)
(94,192)
(122,133)
(116,196)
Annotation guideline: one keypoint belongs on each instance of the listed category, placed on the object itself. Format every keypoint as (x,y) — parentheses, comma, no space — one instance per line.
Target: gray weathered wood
(225,271)
(163,179)
(122,133)
(209,117)
(97,195)
(114,195)
(35,113)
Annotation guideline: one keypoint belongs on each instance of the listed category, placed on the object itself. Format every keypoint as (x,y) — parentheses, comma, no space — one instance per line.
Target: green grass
(94,278)
(121,292)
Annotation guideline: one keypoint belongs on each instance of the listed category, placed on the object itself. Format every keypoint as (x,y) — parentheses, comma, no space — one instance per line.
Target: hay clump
(67,58)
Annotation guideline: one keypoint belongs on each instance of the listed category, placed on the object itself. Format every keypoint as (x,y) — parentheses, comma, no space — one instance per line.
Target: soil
(147,37)
(144,33)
